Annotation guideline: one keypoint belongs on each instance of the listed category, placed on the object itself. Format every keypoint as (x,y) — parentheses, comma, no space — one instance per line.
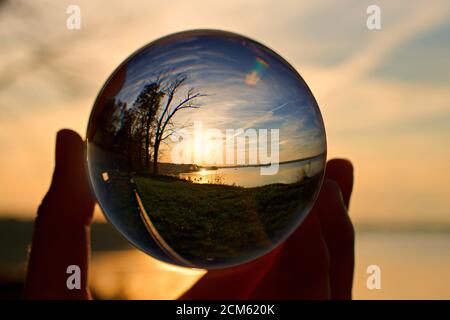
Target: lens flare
(257,72)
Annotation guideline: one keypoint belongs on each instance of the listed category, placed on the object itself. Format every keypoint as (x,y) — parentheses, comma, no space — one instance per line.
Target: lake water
(413,265)
(252,177)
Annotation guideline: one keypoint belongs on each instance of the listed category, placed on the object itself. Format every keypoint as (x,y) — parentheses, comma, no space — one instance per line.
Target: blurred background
(384,95)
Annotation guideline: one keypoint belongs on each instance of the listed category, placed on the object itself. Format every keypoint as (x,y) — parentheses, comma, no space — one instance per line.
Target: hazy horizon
(383,94)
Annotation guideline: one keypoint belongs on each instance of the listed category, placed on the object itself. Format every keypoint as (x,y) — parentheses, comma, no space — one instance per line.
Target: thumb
(68,157)
(61,232)
(70,195)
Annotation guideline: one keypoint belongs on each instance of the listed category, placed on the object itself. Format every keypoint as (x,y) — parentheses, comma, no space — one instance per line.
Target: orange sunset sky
(384,94)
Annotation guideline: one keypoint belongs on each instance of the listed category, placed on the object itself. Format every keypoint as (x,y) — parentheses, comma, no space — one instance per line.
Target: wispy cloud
(380,46)
(327,42)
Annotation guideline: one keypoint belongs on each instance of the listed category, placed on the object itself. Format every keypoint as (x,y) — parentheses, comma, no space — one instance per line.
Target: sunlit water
(251,176)
(413,266)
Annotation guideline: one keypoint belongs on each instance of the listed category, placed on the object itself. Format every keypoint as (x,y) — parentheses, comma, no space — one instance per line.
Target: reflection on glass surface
(206,149)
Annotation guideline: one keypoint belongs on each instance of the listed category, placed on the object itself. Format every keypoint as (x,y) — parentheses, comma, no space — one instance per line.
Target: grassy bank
(217,222)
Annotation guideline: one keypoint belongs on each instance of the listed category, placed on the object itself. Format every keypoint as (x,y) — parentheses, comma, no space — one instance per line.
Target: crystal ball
(205,149)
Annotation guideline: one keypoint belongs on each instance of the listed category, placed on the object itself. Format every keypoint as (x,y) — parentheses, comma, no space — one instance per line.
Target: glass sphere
(206,149)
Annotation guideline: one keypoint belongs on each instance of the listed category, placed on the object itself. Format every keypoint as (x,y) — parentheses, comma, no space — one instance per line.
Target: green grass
(219,222)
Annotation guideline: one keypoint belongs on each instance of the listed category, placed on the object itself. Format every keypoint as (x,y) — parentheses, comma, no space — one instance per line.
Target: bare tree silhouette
(164,124)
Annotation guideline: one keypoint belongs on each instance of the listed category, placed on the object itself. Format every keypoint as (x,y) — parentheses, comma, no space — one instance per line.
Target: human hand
(61,230)
(315,262)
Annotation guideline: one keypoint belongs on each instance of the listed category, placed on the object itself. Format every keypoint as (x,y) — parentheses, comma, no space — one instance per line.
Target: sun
(202,151)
